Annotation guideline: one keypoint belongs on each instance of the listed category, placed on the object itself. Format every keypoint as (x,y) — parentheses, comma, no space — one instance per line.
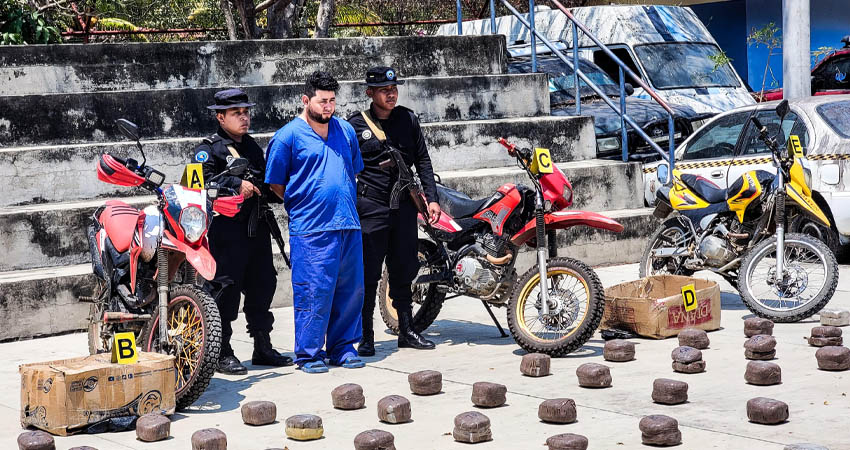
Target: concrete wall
(63,173)
(90,117)
(39,69)
(54,234)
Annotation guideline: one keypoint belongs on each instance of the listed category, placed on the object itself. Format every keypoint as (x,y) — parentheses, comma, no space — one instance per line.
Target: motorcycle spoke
(803,279)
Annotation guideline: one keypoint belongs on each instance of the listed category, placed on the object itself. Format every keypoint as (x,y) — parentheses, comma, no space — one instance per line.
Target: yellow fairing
(750,190)
(800,192)
(682,198)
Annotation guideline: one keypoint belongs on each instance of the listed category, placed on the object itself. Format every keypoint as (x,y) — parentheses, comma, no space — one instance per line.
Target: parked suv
(647,113)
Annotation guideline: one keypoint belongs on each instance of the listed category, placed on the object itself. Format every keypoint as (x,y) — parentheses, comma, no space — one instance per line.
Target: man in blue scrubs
(312,164)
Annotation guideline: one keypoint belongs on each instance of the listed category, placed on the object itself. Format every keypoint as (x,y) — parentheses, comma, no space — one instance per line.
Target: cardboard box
(654,307)
(63,397)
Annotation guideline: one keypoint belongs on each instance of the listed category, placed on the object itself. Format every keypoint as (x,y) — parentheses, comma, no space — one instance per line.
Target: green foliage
(821,53)
(115,24)
(20,25)
(720,59)
(767,35)
(770,37)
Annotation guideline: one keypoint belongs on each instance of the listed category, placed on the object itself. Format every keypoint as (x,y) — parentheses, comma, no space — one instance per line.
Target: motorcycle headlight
(807,173)
(568,193)
(608,144)
(194,222)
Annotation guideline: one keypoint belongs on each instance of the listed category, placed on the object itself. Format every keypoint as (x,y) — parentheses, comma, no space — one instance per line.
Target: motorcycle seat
(703,187)
(457,204)
(120,220)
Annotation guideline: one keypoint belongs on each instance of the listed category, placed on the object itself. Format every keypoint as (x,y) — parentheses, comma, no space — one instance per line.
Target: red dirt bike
(473,248)
(139,259)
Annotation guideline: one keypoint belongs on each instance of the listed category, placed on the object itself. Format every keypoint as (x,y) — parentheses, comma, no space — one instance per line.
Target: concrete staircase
(58,105)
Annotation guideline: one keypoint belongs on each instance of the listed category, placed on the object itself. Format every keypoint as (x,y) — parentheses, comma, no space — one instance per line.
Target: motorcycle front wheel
(576,304)
(427,299)
(194,338)
(810,279)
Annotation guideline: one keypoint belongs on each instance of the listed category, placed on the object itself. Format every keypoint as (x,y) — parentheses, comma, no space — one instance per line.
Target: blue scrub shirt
(318,175)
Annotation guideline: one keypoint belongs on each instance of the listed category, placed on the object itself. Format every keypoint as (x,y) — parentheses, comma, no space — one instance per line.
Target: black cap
(231,98)
(382,76)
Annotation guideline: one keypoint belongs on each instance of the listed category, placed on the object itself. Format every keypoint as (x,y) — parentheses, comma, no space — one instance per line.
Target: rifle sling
(374,125)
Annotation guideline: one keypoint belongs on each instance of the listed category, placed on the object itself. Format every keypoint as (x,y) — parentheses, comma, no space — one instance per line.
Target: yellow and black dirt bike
(739,233)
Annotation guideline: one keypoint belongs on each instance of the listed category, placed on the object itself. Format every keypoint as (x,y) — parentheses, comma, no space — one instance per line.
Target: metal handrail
(574,64)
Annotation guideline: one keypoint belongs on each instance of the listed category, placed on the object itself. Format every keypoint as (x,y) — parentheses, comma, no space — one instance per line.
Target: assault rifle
(406,181)
(264,211)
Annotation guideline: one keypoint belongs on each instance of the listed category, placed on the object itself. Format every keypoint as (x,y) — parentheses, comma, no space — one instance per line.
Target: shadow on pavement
(445,332)
(225,394)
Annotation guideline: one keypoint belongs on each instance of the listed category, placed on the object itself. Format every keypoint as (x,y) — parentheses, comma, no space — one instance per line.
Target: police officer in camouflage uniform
(241,245)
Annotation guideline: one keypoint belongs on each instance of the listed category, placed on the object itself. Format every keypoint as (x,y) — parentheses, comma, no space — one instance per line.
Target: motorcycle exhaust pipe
(120,317)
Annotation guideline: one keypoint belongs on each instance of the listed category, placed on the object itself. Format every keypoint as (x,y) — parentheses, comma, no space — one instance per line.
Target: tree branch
(51,5)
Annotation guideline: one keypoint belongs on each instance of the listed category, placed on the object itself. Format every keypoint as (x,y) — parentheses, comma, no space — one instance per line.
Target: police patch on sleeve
(202,156)
(367,134)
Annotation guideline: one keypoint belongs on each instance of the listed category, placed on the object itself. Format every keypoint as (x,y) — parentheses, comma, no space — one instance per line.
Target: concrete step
(598,185)
(90,117)
(67,172)
(71,68)
(54,234)
(44,301)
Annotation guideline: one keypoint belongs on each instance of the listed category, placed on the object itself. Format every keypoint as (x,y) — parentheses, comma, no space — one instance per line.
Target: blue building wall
(727,22)
(829,19)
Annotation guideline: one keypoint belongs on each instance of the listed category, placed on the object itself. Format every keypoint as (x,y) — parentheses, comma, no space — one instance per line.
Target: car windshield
(837,115)
(678,65)
(562,79)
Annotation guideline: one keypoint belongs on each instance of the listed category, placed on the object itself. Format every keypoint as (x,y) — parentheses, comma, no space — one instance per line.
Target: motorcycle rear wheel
(577,297)
(427,299)
(671,230)
(194,319)
(806,258)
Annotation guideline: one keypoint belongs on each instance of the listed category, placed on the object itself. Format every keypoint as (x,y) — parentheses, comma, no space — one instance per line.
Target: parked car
(667,46)
(728,146)
(831,76)
(648,114)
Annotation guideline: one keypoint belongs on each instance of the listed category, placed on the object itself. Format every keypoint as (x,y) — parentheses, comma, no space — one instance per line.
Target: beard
(318,117)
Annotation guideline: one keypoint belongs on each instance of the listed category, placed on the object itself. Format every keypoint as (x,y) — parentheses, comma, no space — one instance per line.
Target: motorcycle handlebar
(511,147)
(523,153)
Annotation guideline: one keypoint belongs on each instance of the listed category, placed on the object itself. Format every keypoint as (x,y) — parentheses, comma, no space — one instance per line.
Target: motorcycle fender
(566,219)
(806,202)
(200,258)
(446,223)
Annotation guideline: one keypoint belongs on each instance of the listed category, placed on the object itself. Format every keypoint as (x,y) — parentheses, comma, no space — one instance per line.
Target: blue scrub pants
(327,287)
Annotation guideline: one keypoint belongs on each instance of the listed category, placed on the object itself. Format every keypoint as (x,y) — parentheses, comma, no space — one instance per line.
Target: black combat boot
(367,342)
(265,354)
(407,337)
(229,365)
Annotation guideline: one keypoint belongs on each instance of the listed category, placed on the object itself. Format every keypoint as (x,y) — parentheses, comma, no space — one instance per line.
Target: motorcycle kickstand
(495,320)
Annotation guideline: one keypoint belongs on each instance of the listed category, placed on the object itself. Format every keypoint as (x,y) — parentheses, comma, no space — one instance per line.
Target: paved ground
(470,350)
